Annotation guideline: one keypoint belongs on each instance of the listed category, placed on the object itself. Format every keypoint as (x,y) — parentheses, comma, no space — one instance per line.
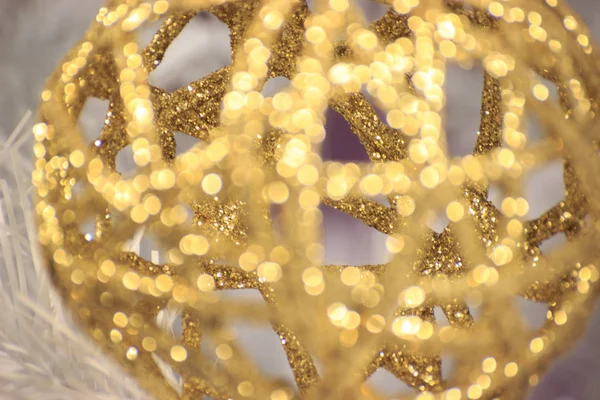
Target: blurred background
(36,34)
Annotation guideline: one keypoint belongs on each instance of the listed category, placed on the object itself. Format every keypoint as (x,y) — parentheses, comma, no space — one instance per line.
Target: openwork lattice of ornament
(242,208)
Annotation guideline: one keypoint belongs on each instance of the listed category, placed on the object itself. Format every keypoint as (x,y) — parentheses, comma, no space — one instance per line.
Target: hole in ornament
(544,188)
(340,143)
(349,241)
(533,312)
(124,162)
(534,131)
(319,366)
(275,85)
(201,48)
(569,377)
(92,117)
(277,221)
(552,89)
(556,241)
(448,365)
(88,229)
(440,317)
(149,250)
(496,195)
(437,221)
(463,108)
(189,213)
(184,143)
(385,383)
(169,320)
(476,311)
(379,108)
(177,327)
(379,247)
(380,199)
(145,246)
(311,6)
(147,30)
(264,347)
(77,189)
(241,295)
(207,346)
(372,10)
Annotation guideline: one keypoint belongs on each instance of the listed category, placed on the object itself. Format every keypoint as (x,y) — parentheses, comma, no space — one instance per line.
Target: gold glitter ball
(242,208)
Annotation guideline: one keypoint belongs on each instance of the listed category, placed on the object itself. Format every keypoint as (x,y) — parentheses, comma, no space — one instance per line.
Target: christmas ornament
(241,209)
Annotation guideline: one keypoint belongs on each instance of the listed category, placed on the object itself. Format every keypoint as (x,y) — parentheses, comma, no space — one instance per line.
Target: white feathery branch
(42,354)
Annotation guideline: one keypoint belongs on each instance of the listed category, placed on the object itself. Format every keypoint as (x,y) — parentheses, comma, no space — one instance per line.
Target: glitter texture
(241,209)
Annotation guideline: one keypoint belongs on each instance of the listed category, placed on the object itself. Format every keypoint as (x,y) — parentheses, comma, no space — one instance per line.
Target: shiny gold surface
(241,210)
